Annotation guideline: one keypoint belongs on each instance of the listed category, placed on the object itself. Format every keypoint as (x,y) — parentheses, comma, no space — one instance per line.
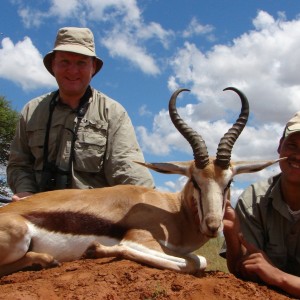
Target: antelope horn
(195,140)
(228,140)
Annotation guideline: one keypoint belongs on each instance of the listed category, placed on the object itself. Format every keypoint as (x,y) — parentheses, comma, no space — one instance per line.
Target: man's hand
(20,196)
(234,249)
(256,266)
(230,221)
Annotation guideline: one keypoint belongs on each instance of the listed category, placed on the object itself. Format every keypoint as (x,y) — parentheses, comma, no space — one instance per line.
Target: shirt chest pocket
(36,144)
(90,148)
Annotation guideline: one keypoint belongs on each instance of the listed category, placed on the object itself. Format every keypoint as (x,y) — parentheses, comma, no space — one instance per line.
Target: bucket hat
(76,40)
(293,125)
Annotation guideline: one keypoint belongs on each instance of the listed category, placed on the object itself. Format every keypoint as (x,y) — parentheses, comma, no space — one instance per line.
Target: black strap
(52,105)
(82,108)
(80,114)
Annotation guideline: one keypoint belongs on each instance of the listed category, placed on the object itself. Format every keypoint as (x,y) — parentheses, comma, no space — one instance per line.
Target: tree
(8,122)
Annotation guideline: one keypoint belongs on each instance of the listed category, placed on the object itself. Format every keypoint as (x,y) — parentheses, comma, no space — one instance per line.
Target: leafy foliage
(8,121)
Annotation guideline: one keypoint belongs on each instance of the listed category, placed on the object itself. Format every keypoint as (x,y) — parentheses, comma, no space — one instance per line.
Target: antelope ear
(251,167)
(181,168)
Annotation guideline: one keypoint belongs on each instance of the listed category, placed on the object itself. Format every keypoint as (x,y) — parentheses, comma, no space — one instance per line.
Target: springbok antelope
(144,225)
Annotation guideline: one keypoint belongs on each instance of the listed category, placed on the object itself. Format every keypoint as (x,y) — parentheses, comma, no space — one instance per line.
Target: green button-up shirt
(267,224)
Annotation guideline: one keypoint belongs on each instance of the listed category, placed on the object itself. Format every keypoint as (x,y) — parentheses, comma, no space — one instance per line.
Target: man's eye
(63,63)
(82,64)
(291,146)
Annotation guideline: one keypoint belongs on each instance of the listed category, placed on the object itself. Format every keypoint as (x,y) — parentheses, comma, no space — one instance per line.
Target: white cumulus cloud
(22,64)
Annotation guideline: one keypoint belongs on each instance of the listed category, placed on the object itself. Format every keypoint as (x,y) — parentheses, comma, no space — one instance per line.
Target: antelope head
(209,178)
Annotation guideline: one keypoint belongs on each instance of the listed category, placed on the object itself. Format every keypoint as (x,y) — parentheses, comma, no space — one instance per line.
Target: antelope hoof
(91,251)
(54,263)
(42,259)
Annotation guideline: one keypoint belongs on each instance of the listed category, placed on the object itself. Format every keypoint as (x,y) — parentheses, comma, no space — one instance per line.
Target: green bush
(8,121)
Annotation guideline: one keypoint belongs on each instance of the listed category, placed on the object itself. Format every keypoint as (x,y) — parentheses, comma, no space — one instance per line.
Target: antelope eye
(195,184)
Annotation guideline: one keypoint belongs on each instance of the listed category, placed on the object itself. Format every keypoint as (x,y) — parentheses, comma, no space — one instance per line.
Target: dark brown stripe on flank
(75,223)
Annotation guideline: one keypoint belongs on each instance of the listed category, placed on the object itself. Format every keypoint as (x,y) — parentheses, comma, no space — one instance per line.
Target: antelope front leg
(148,252)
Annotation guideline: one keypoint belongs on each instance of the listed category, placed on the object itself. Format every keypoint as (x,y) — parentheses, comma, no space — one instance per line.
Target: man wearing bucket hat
(263,232)
(75,137)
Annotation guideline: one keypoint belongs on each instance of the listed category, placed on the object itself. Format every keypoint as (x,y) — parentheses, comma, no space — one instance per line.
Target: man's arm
(248,262)
(256,264)
(122,150)
(20,173)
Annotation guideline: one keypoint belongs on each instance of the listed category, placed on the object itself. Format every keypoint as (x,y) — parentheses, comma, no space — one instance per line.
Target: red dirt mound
(114,279)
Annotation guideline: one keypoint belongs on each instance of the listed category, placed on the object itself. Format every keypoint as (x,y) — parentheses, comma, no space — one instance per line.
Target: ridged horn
(226,143)
(195,140)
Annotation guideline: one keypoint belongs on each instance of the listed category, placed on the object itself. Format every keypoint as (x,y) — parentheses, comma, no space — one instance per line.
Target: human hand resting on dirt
(255,265)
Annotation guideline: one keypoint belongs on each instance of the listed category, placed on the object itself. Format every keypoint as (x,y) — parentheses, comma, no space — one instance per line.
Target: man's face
(73,72)
(290,148)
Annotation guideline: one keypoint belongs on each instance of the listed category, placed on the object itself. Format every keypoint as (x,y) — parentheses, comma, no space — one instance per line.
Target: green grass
(211,252)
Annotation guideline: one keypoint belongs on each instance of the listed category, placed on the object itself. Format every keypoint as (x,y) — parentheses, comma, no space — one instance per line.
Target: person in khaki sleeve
(75,137)
(262,234)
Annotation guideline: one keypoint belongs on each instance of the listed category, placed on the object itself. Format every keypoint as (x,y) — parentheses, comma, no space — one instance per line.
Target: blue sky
(152,47)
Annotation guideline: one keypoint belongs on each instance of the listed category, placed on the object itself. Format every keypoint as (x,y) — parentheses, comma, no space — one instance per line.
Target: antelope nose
(213,224)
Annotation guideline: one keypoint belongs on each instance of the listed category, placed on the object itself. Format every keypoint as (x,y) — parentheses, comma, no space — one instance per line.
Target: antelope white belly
(64,247)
